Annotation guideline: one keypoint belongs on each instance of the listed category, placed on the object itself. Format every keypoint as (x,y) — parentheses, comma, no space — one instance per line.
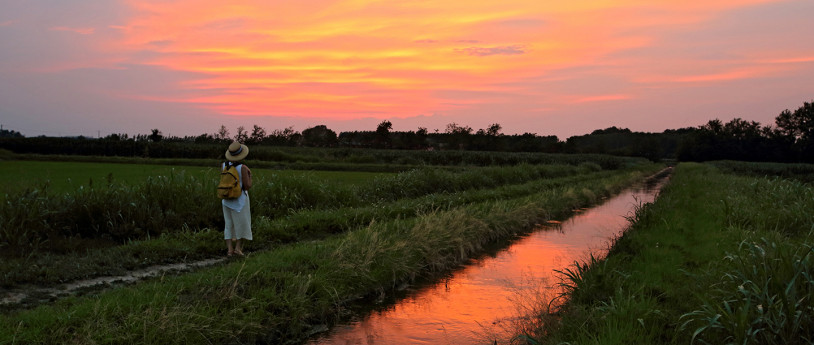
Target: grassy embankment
(717,259)
(276,296)
(162,220)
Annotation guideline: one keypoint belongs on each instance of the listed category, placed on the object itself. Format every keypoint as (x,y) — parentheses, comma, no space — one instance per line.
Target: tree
(383,134)
(494,130)
(156,136)
(454,128)
(458,135)
(5,133)
(384,127)
(241,135)
(319,136)
(222,134)
(285,136)
(798,128)
(799,124)
(258,134)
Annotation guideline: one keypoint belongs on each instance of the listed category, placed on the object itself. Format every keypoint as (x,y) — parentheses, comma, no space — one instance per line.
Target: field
(741,232)
(64,177)
(321,243)
(724,256)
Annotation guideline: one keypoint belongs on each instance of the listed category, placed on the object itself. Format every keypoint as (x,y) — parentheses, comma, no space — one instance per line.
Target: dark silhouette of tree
(156,136)
(458,136)
(797,128)
(454,128)
(5,133)
(283,137)
(257,136)
(319,136)
(383,134)
(494,130)
(242,135)
(222,134)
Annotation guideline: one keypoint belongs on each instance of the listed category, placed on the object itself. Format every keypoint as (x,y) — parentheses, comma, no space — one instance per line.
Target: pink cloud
(483,51)
(81,31)
(602,98)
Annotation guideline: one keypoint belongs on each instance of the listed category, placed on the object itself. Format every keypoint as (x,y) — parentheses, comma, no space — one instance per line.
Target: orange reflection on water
(479,303)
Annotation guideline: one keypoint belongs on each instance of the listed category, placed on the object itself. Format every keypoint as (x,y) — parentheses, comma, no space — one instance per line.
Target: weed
(765,297)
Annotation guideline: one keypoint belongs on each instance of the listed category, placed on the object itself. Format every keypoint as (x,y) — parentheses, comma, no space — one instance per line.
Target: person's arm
(247,177)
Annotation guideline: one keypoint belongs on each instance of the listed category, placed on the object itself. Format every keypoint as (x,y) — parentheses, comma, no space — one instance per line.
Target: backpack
(229,186)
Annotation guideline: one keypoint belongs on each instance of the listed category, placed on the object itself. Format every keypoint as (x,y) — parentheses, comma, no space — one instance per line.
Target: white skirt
(238,224)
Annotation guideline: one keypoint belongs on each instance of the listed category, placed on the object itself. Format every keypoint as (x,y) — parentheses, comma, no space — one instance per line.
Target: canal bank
(485,301)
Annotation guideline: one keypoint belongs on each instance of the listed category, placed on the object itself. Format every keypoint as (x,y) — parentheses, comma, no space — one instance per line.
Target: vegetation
(279,295)
(800,172)
(790,140)
(61,177)
(745,243)
(36,225)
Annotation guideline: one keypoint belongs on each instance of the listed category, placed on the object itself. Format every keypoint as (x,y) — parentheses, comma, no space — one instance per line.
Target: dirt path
(30,296)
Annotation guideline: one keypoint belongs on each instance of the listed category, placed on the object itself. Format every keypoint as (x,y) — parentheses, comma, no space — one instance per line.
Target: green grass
(39,219)
(66,177)
(277,296)
(307,224)
(797,171)
(717,259)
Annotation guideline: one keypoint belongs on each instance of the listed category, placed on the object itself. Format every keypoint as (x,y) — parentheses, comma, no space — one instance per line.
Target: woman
(236,212)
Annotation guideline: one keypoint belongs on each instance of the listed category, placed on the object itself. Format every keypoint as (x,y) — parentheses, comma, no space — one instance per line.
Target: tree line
(790,139)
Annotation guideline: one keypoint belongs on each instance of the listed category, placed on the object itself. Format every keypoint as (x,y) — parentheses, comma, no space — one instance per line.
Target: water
(481,302)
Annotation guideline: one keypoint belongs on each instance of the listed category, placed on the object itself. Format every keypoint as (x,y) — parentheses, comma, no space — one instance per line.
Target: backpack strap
(228,164)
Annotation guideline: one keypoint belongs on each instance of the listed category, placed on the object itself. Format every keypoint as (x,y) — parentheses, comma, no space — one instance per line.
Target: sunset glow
(530,65)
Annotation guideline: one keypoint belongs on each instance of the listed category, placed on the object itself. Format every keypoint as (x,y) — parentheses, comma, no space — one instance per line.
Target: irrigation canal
(482,302)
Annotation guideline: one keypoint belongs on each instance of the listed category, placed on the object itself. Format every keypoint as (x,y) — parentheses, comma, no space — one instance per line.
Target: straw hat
(237,151)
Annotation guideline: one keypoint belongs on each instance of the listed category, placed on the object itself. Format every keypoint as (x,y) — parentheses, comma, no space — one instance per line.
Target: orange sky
(560,68)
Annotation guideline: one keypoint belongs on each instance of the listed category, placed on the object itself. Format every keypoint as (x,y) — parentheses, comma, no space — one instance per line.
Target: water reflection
(479,302)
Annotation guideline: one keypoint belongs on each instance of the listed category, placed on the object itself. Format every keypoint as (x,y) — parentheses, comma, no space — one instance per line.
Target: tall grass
(121,212)
(269,231)
(766,296)
(280,296)
(118,212)
(796,171)
(717,259)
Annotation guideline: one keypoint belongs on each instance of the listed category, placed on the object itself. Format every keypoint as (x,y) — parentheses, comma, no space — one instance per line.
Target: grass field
(64,177)
(308,264)
(719,258)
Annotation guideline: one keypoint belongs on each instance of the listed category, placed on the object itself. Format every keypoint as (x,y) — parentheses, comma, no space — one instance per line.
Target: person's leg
(242,222)
(228,230)
(239,248)
(229,249)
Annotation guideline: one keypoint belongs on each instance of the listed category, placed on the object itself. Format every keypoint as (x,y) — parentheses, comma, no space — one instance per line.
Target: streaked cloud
(81,31)
(487,51)
(601,98)
(359,61)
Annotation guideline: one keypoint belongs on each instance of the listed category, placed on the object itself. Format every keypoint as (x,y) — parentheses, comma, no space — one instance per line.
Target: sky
(564,68)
